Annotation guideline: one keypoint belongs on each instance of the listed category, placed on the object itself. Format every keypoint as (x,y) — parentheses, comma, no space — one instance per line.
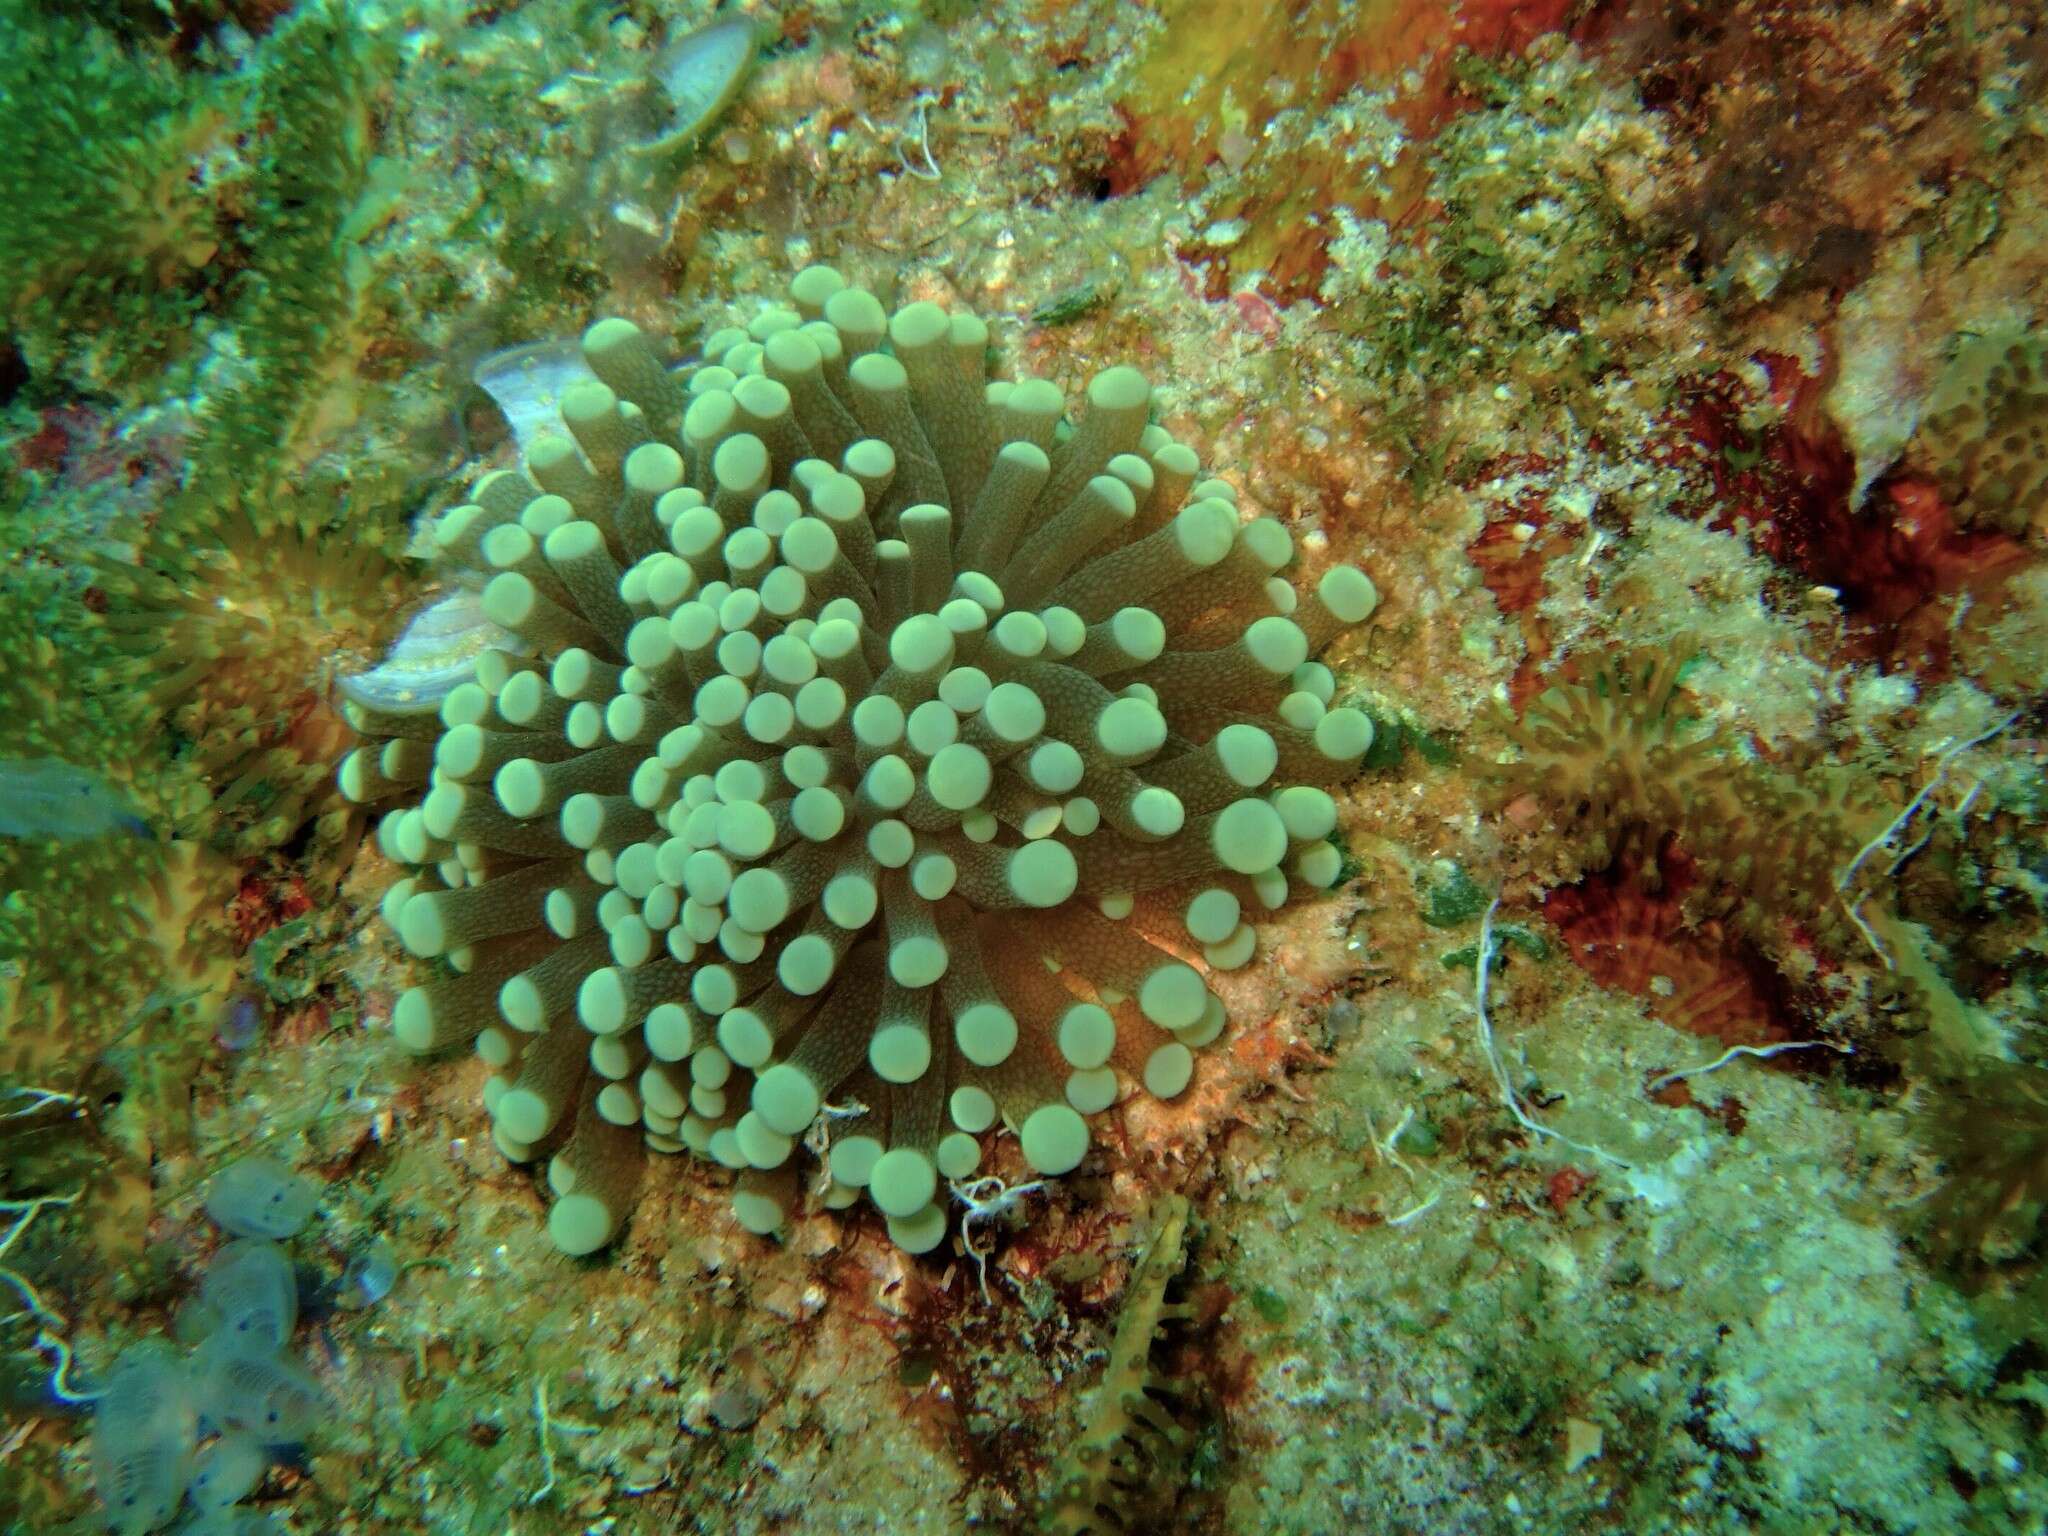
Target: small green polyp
(1319,865)
(817,814)
(972,1109)
(1249,837)
(763,1146)
(601,1001)
(580,1224)
(931,727)
(986,1033)
(878,721)
(918,961)
(746,830)
(1054,1139)
(1277,644)
(420,927)
(1173,996)
(1138,633)
(1086,1035)
(1013,712)
(959,1155)
(1212,916)
(850,901)
(852,1159)
(1130,730)
(903,1182)
(759,1210)
(1157,812)
(900,1053)
(933,876)
(759,900)
(1019,634)
(1307,813)
(1348,593)
(1092,1090)
(920,1232)
(786,1099)
(1055,767)
(1234,951)
(745,1037)
(891,844)
(959,776)
(1042,873)
(1344,735)
(806,964)
(921,645)
(1168,1070)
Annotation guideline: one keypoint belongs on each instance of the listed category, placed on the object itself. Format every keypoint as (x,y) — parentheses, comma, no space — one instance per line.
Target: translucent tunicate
(272,1397)
(370,1274)
(434,654)
(145,1428)
(260,1197)
(227,1471)
(251,1292)
(527,383)
(700,74)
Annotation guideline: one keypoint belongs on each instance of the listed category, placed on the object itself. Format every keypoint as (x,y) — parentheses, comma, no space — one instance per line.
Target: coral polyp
(254,630)
(1986,429)
(895,758)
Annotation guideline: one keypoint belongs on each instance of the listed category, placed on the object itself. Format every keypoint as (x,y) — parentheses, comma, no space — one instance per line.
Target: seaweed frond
(1991,1131)
(1127,1434)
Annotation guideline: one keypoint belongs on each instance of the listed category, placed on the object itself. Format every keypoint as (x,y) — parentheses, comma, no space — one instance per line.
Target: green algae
(1450,896)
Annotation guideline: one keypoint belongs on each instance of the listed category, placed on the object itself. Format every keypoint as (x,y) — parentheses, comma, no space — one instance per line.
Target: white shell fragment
(436,653)
(527,382)
(701,73)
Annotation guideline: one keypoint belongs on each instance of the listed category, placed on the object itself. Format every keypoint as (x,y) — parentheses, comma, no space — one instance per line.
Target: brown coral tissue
(1991,1131)
(1615,754)
(1633,937)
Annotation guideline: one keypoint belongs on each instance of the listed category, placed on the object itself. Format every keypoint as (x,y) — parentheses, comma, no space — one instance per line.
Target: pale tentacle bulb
(895,759)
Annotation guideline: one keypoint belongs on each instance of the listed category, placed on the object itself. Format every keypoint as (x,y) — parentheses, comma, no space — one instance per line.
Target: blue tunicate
(260,1197)
(48,798)
(232,1522)
(370,1274)
(241,1023)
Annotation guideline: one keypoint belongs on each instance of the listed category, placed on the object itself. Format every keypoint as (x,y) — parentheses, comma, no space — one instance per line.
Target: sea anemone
(235,632)
(892,758)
